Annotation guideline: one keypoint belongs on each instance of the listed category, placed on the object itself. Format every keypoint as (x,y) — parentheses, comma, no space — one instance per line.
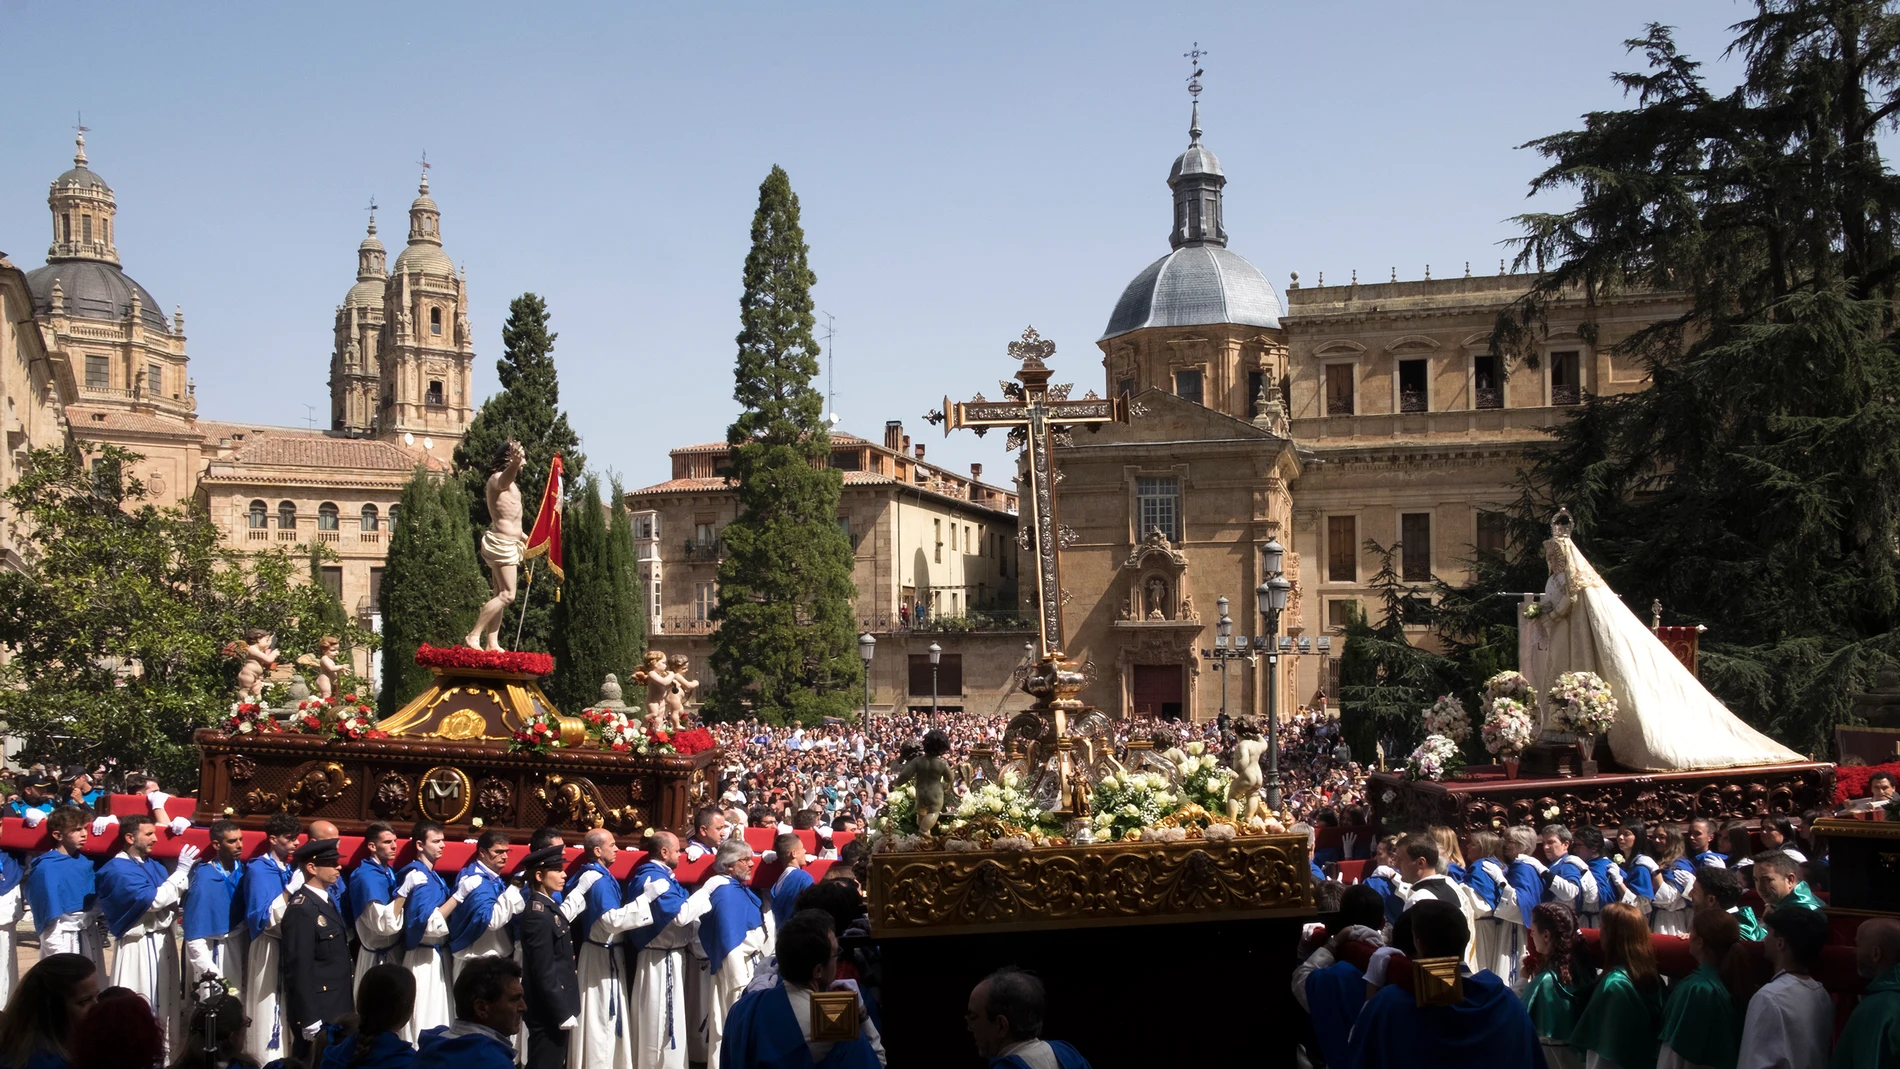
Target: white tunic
(12,910)
(435,979)
(658,989)
(145,959)
(263,991)
(1789,1025)
(606,1036)
(379,925)
(720,990)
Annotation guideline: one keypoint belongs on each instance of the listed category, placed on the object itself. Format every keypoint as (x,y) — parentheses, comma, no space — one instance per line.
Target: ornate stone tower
(354,369)
(424,350)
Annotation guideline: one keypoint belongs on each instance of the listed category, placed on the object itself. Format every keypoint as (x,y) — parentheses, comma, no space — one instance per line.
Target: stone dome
(83,177)
(422,256)
(1196,285)
(366,294)
(93,289)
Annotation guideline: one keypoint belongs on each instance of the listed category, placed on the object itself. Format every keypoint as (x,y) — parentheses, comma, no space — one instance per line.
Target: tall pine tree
(432,585)
(526,409)
(1755,485)
(587,622)
(785,645)
(629,593)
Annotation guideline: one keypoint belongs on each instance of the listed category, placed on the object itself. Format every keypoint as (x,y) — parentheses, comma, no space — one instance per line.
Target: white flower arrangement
(1509,728)
(1436,758)
(1584,703)
(1511,685)
(1447,717)
(899,816)
(1202,777)
(1006,800)
(961,846)
(1130,801)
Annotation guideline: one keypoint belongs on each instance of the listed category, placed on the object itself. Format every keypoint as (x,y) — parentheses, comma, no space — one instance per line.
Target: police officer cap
(319,851)
(548,857)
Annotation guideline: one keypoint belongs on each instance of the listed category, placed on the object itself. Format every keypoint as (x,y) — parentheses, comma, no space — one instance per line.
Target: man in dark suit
(316,947)
(547,961)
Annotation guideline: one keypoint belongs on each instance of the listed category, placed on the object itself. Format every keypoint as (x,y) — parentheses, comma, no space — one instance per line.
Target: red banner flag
(545,535)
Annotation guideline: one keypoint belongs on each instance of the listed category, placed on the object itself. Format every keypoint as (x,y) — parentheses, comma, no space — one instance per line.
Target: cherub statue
(328,671)
(676,694)
(932,775)
(260,656)
(1243,794)
(658,681)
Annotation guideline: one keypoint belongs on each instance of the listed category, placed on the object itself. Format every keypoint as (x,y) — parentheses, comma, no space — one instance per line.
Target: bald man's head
(323,829)
(597,838)
(1877,946)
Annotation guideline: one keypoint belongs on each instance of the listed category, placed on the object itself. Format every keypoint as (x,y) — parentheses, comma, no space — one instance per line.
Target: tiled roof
(837,438)
(674,486)
(302,451)
(85,417)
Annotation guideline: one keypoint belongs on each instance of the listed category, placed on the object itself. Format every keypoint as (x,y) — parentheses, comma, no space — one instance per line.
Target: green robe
(1752,929)
(1620,1022)
(1871,1039)
(1553,1008)
(1801,896)
(1700,1023)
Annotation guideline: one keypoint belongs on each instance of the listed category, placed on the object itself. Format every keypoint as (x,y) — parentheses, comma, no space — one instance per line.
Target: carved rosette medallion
(445,794)
(1057,887)
(495,800)
(392,796)
(241,768)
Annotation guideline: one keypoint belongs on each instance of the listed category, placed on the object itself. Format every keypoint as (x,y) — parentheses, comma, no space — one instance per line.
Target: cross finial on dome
(79,140)
(372,215)
(423,186)
(1194,90)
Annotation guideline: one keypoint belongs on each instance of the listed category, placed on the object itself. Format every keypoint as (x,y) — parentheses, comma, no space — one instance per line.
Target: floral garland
(1509,729)
(540,733)
(1584,703)
(1447,717)
(1203,779)
(1436,758)
(1511,685)
(692,741)
(899,815)
(249,718)
(349,718)
(1126,802)
(539,664)
(614,729)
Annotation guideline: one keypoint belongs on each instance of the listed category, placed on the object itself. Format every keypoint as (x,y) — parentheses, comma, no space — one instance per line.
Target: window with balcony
(1158,506)
(98,373)
(434,395)
(1415,555)
(392,516)
(370,520)
(1187,384)
(1566,388)
(376,590)
(1339,389)
(1487,385)
(287,516)
(1342,549)
(1494,532)
(328,519)
(1412,385)
(66,227)
(1126,388)
(705,599)
(85,228)
(260,516)
(1256,392)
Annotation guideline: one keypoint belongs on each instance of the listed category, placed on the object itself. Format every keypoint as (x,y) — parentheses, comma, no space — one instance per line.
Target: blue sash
(762,1033)
(785,893)
(421,904)
(469,921)
(665,908)
(735,912)
(10,872)
(1638,878)
(212,905)
(126,890)
(57,885)
(1483,884)
(265,880)
(1528,885)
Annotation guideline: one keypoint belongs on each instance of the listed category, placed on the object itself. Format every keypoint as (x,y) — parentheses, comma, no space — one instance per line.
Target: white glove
(654,889)
(156,800)
(571,1022)
(415,879)
(1381,961)
(310,1030)
(187,857)
(467,886)
(578,889)
(33,817)
(180,825)
(296,881)
(768,857)
(100,825)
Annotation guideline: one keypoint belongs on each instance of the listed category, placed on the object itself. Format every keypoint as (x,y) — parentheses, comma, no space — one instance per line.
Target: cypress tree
(785,645)
(629,593)
(586,619)
(432,586)
(1385,682)
(526,409)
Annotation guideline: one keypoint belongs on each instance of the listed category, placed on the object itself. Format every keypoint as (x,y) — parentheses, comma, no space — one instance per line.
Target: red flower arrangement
(348,718)
(249,718)
(540,734)
(689,742)
(539,664)
(1850,781)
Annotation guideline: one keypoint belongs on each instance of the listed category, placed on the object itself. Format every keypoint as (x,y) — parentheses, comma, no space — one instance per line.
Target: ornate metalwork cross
(1037,415)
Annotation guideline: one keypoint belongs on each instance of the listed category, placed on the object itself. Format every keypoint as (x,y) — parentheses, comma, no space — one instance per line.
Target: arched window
(260,516)
(392,516)
(370,518)
(435,320)
(327,517)
(287,516)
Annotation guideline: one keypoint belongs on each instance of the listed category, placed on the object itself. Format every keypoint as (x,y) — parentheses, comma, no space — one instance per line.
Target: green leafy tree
(629,592)
(432,586)
(785,645)
(1385,682)
(118,617)
(1755,485)
(587,620)
(526,409)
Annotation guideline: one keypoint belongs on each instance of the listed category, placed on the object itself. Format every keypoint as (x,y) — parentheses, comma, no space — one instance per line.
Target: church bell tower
(424,348)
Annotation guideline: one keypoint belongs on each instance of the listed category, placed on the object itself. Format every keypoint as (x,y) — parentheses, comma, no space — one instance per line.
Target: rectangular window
(1494,532)
(98,373)
(1415,557)
(949,674)
(1256,391)
(1412,385)
(953,538)
(1565,386)
(846,460)
(1339,612)
(154,380)
(1187,385)
(376,590)
(1487,387)
(1126,388)
(434,394)
(1158,507)
(937,525)
(1339,389)
(705,598)
(1342,549)
(844,528)
(85,227)
(332,577)
(967,544)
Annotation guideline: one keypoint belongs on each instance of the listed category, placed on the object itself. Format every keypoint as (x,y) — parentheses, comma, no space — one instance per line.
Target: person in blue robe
(489,1007)
(60,890)
(1005,1018)
(1487,1027)
(1386,880)
(763,1030)
(791,850)
(656,967)
(214,905)
(373,883)
(484,903)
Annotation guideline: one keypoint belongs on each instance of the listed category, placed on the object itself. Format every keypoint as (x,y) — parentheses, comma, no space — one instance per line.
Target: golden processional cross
(1038,416)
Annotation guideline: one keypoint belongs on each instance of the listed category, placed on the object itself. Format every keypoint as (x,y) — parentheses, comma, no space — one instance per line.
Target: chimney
(903,445)
(920,450)
(976,471)
(893,433)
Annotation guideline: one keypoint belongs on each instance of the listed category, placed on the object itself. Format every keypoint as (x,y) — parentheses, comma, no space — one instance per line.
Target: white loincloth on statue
(501,550)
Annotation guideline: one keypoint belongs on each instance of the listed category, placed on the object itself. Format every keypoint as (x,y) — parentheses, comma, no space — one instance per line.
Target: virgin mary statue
(1665,720)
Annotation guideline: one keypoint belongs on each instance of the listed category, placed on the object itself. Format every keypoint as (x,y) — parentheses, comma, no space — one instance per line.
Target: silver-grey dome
(93,290)
(1196,285)
(1198,159)
(83,177)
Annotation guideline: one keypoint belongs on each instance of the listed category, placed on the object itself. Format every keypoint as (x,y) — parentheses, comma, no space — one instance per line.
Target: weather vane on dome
(425,159)
(1194,80)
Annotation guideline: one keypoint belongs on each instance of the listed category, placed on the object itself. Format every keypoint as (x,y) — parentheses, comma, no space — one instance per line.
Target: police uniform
(316,952)
(547,968)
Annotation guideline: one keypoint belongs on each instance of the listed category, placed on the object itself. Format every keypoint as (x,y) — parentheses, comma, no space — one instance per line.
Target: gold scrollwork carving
(461,725)
(572,801)
(1121,883)
(313,784)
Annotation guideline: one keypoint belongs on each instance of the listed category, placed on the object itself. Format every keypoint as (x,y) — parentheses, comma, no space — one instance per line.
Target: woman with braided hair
(1560,984)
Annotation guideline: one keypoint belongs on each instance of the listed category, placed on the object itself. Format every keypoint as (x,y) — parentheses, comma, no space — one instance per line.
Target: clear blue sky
(964,170)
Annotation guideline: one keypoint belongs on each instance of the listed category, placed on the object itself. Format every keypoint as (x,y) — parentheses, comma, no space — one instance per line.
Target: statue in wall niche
(259,652)
(1128,607)
(658,682)
(1187,606)
(678,693)
(1157,598)
(402,323)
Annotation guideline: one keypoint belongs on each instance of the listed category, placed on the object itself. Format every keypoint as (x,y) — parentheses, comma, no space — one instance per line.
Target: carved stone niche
(1157,581)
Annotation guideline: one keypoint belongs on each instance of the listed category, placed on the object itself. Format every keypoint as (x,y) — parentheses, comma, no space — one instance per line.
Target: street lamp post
(936,654)
(1271,597)
(867,647)
(1225,649)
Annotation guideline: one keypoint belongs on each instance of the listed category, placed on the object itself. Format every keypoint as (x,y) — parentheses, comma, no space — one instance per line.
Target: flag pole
(522,616)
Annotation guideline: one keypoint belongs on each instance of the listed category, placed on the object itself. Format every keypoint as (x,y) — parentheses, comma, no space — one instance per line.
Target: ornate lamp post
(867,647)
(1271,597)
(936,654)
(1225,649)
